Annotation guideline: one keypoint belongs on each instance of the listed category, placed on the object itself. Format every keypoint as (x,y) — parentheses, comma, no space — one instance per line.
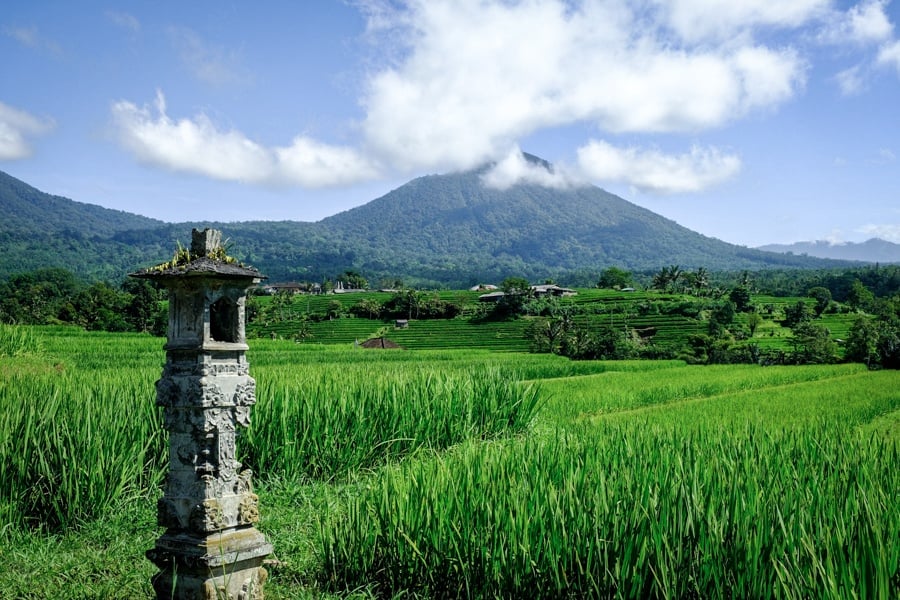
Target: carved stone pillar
(210,549)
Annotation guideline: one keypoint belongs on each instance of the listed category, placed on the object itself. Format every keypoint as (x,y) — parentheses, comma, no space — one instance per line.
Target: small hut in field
(382,343)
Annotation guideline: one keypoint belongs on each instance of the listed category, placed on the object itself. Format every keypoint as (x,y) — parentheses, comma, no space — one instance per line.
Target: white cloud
(32,38)
(698,20)
(124,20)
(27,36)
(209,63)
(16,127)
(198,146)
(864,23)
(454,84)
(890,233)
(654,171)
(885,156)
(889,55)
(515,168)
(851,81)
(835,238)
(312,164)
(475,77)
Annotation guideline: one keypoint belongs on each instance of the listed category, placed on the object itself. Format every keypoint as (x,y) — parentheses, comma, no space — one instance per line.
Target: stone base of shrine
(217,566)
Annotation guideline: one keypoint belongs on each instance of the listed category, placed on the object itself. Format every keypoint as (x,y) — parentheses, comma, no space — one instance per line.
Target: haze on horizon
(750,121)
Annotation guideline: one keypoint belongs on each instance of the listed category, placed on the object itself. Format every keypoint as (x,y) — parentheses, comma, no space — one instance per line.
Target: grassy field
(466,473)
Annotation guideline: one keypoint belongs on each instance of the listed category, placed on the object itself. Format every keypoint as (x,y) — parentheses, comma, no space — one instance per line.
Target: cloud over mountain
(451,85)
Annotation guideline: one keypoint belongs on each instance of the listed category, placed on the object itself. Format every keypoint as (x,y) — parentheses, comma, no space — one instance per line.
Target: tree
(754,320)
(516,291)
(721,317)
(279,309)
(822,296)
(812,344)
(741,298)
(862,342)
(667,277)
(860,297)
(615,278)
(701,280)
(99,307)
(367,307)
(143,303)
(36,298)
(546,335)
(796,314)
(335,309)
(304,330)
(889,344)
(354,280)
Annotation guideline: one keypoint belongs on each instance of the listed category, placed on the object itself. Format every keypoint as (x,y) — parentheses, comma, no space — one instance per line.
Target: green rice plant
(72,443)
(16,340)
(323,423)
(623,511)
(606,393)
(855,398)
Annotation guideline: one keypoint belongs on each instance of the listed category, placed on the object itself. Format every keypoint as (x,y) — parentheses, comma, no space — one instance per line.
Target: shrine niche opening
(223,320)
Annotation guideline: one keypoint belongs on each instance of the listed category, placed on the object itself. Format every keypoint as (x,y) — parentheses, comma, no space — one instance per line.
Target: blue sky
(751,121)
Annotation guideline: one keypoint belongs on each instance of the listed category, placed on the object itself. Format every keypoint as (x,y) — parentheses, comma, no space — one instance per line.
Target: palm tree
(701,280)
(667,277)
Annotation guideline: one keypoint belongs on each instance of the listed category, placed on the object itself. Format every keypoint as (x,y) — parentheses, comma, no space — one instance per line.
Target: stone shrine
(211,548)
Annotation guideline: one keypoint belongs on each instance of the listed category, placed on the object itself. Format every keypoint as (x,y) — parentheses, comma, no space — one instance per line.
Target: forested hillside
(435,231)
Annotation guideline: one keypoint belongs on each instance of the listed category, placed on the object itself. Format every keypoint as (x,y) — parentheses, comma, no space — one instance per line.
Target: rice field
(467,473)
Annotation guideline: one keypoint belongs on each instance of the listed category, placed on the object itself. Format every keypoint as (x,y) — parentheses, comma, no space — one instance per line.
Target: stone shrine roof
(206,258)
(200,267)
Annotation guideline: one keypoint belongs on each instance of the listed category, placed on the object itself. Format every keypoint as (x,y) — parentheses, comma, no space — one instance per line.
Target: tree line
(53,296)
(57,296)
(873,339)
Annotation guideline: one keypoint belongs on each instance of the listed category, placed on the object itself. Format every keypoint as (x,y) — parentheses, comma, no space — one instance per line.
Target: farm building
(381,343)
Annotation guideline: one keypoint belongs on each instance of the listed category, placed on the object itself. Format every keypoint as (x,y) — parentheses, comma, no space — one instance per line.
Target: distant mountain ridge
(25,209)
(874,250)
(446,230)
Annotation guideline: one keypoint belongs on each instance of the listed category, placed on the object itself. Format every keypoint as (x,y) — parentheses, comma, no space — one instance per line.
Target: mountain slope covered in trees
(449,230)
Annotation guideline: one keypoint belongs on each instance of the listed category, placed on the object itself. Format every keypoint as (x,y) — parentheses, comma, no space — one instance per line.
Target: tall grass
(81,430)
(612,392)
(626,512)
(73,443)
(16,340)
(321,423)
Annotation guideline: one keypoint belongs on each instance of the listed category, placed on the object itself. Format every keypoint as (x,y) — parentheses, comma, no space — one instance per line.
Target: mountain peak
(537,161)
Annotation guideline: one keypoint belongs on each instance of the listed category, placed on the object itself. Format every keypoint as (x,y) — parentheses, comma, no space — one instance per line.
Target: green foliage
(721,317)
(740,296)
(354,280)
(615,278)
(754,320)
(822,296)
(37,297)
(860,297)
(862,342)
(67,455)
(812,344)
(635,479)
(796,314)
(439,231)
(368,308)
(667,278)
(629,511)
(320,423)
(49,296)
(17,341)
